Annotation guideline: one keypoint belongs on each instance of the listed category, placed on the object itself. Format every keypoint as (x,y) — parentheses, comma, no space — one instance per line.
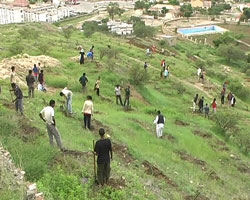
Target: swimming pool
(200,30)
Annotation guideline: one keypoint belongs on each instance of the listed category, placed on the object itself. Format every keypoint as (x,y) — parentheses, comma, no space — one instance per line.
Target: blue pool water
(201,29)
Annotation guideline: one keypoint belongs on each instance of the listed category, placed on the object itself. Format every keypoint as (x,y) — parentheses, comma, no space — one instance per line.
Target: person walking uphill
(159,121)
(87,111)
(103,149)
(214,105)
(48,116)
(83,80)
(201,102)
(19,97)
(127,95)
(68,96)
(30,80)
(35,71)
(118,94)
(97,86)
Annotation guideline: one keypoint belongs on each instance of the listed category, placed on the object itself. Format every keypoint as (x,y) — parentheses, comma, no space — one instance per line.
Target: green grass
(46,165)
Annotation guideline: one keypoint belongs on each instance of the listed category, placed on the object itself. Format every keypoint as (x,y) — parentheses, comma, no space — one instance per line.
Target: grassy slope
(134,128)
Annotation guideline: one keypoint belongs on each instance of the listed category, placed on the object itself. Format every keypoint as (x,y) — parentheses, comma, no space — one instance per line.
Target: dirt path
(196,85)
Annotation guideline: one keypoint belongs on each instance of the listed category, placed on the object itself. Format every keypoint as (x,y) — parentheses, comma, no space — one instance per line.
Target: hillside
(194,160)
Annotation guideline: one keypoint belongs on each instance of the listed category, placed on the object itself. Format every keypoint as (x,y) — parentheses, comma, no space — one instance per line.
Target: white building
(40,13)
(120,28)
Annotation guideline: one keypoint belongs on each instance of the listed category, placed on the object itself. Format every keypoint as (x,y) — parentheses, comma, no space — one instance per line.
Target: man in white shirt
(118,94)
(87,111)
(68,96)
(47,115)
(159,121)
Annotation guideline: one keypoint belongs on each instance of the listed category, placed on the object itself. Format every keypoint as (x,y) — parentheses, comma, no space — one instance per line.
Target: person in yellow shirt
(13,75)
(97,86)
(87,111)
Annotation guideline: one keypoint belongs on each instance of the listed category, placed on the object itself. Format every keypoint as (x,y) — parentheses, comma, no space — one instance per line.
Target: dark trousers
(31,91)
(98,91)
(119,97)
(19,105)
(103,173)
(200,109)
(222,99)
(86,119)
(126,101)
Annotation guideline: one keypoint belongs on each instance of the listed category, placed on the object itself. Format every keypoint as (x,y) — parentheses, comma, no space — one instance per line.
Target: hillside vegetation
(196,159)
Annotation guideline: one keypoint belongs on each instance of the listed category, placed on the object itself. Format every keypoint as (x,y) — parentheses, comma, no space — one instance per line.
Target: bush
(243,142)
(138,76)
(162,43)
(43,48)
(237,88)
(16,48)
(109,52)
(226,121)
(248,72)
(67,31)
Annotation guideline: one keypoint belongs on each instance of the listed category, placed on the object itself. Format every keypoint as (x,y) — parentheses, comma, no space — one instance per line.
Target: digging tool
(94,161)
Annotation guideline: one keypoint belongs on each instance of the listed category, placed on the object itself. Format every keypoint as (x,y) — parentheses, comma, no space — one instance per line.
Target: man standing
(195,102)
(127,95)
(47,115)
(118,94)
(68,97)
(87,111)
(159,121)
(229,98)
(30,80)
(13,75)
(145,65)
(41,77)
(83,80)
(206,111)
(224,86)
(35,70)
(19,98)
(103,149)
(199,73)
(201,101)
(97,86)
(222,95)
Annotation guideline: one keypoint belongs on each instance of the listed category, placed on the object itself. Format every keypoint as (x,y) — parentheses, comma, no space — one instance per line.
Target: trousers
(69,103)
(31,91)
(54,133)
(120,99)
(86,120)
(159,130)
(19,105)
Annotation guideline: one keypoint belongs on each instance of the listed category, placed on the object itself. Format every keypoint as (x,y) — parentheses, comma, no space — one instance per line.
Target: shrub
(248,72)
(67,31)
(43,48)
(162,43)
(16,48)
(237,88)
(110,64)
(109,52)
(243,142)
(138,76)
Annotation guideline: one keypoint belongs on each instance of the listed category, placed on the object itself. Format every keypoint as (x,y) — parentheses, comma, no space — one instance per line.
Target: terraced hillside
(196,159)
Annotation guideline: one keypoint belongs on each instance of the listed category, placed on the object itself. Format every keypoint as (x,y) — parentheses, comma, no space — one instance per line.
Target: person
(222,95)
(195,102)
(145,65)
(224,86)
(201,101)
(92,52)
(233,101)
(68,96)
(118,94)
(103,149)
(206,111)
(165,72)
(199,73)
(214,105)
(168,68)
(19,97)
(30,80)
(163,51)
(41,77)
(229,98)
(148,52)
(83,80)
(81,57)
(97,86)
(202,77)
(127,95)
(159,121)
(48,116)
(13,75)
(40,87)
(35,72)
(87,111)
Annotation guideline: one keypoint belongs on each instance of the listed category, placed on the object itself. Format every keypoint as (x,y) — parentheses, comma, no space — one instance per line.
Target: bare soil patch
(213,176)
(137,95)
(117,183)
(27,131)
(76,152)
(181,123)
(196,197)
(96,125)
(244,169)
(123,152)
(23,63)
(170,137)
(190,158)
(219,145)
(152,170)
(202,134)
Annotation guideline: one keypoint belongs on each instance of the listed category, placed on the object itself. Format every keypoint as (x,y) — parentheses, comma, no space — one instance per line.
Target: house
(120,28)
(173,10)
(201,3)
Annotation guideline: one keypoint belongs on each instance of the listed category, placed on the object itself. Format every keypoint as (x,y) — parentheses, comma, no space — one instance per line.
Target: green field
(194,160)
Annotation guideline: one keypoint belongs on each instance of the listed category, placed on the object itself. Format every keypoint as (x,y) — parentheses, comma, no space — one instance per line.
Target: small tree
(43,48)
(186,11)
(138,76)
(230,52)
(113,9)
(141,30)
(67,32)
(164,10)
(89,28)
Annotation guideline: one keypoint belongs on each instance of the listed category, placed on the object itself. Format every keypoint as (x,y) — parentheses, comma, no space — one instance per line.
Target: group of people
(164,69)
(117,91)
(90,54)
(231,99)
